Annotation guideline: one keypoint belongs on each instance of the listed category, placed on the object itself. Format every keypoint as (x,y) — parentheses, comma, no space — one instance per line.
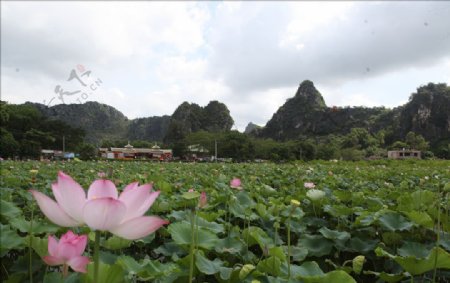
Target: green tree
(87,151)
(9,147)
(398,145)
(352,154)
(416,141)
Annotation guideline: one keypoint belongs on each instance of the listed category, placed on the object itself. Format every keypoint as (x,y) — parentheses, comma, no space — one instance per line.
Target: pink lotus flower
(67,251)
(103,209)
(309,185)
(203,200)
(236,183)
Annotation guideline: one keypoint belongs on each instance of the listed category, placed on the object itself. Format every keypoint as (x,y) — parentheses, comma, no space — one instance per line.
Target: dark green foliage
(25,132)
(303,128)
(100,121)
(8,145)
(150,128)
(416,141)
(237,146)
(252,128)
(190,118)
(216,117)
(428,113)
(87,151)
(442,149)
(423,121)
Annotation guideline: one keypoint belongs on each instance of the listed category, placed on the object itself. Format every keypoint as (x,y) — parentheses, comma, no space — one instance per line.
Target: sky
(146,58)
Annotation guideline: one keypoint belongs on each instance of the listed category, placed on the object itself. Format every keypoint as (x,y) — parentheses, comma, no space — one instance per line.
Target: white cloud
(152,56)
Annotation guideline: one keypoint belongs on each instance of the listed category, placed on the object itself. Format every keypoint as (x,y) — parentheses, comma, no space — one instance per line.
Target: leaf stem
(438,238)
(30,235)
(191,250)
(289,246)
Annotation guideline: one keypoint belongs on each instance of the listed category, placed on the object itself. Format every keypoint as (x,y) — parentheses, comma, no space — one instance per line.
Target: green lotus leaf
(387,277)
(107,273)
(9,239)
(182,234)
(361,245)
(338,210)
(148,269)
(438,258)
(297,253)
(256,235)
(420,218)
(9,210)
(334,235)
(229,245)
(317,245)
(417,250)
(445,244)
(278,252)
(307,270)
(225,273)
(271,265)
(335,276)
(418,200)
(191,195)
(115,243)
(246,270)
(207,266)
(36,227)
(310,272)
(211,226)
(39,245)
(393,221)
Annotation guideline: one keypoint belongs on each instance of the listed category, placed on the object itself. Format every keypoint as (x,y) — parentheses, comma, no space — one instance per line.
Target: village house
(404,154)
(128,152)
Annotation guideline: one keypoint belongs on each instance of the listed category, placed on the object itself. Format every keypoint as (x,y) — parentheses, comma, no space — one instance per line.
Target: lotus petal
(53,211)
(138,201)
(130,186)
(138,227)
(52,260)
(79,263)
(102,189)
(103,213)
(70,196)
(71,245)
(52,246)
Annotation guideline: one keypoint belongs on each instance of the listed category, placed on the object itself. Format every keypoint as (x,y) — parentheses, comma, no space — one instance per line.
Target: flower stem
(314,208)
(96,255)
(191,250)
(65,270)
(30,235)
(438,238)
(289,246)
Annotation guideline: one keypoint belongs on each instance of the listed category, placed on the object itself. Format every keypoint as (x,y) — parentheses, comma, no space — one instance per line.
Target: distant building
(197,152)
(128,152)
(404,154)
(50,154)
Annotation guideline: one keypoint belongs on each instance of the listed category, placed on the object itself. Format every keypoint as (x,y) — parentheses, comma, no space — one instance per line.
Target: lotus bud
(315,195)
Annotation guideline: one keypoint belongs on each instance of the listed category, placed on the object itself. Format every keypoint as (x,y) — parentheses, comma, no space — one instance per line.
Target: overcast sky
(152,56)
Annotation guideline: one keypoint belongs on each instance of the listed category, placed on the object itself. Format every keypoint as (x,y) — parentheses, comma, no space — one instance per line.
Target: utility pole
(64,145)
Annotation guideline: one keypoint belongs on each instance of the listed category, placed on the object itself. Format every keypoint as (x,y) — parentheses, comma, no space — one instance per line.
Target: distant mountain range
(304,115)
(427,113)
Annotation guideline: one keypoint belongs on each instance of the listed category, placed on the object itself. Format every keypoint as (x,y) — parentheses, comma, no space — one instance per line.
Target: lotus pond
(378,221)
